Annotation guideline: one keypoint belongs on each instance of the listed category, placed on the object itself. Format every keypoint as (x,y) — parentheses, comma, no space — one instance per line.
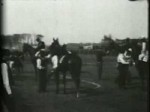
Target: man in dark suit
(99,57)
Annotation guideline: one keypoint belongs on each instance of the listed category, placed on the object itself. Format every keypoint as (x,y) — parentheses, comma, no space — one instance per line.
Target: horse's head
(55,47)
(55,41)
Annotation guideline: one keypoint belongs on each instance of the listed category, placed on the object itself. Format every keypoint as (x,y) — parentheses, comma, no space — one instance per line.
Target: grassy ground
(107,98)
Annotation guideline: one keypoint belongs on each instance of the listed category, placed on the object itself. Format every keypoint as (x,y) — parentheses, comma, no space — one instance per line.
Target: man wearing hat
(41,44)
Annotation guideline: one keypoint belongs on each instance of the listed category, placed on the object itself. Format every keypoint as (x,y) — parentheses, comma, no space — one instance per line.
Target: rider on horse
(40,46)
(58,53)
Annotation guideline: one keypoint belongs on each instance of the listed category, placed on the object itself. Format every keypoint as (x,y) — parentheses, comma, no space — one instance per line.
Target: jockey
(41,45)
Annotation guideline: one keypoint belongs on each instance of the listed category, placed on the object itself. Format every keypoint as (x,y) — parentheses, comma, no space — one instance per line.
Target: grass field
(107,98)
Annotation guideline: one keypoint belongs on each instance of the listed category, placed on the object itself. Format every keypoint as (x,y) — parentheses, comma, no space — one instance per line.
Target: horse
(69,63)
(29,49)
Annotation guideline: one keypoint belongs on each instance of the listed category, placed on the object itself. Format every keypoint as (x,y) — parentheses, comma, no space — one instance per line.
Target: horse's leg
(77,86)
(36,75)
(76,79)
(64,81)
(57,81)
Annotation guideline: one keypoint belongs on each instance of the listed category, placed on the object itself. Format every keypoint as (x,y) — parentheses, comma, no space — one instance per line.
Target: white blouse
(121,59)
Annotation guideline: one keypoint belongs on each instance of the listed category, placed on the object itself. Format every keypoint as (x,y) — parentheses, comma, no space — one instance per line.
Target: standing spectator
(99,57)
(123,67)
(6,95)
(42,71)
(143,66)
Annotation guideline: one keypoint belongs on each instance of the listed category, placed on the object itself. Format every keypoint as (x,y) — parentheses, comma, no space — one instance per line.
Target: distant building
(15,42)
(88,47)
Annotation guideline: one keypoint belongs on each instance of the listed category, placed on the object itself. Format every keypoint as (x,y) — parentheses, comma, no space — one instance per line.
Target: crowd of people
(124,61)
(128,55)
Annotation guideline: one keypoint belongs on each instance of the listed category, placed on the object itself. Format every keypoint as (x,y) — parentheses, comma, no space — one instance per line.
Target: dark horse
(70,63)
(29,49)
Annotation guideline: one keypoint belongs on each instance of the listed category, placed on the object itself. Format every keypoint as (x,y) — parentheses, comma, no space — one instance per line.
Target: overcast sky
(76,20)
